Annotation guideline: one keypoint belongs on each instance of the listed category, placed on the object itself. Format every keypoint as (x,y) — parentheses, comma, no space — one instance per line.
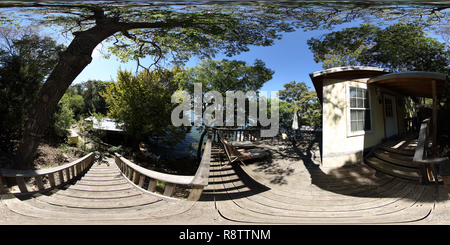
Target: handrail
(71,170)
(420,152)
(202,174)
(138,175)
(176,179)
(421,156)
(236,134)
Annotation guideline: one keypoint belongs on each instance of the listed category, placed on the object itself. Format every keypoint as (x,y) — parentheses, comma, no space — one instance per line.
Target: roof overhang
(347,69)
(347,72)
(412,83)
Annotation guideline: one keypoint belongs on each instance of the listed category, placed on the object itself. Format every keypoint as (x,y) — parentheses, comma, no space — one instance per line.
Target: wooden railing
(57,176)
(146,180)
(429,164)
(233,134)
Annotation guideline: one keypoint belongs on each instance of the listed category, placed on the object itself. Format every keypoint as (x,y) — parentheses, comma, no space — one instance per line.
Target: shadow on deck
(296,167)
(289,186)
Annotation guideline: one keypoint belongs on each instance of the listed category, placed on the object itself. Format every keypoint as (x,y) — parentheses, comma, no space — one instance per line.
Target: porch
(395,157)
(411,156)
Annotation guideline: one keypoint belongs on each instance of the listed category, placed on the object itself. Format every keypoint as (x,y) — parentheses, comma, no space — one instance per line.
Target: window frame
(370,109)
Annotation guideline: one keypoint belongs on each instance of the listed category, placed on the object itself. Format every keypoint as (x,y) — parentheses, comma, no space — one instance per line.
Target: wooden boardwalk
(286,188)
(102,195)
(356,194)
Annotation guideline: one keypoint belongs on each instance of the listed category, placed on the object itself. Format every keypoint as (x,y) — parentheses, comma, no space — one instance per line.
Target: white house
(363,105)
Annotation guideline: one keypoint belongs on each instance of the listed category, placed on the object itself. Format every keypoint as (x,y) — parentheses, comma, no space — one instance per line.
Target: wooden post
(61,177)
(433,146)
(141,180)
(2,189)
(129,172)
(152,185)
(195,194)
(39,182)
(136,175)
(79,167)
(427,140)
(446,180)
(168,190)
(67,174)
(51,178)
(22,185)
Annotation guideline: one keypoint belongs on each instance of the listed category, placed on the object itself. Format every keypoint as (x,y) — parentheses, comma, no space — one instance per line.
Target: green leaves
(399,47)
(225,75)
(143,104)
(24,63)
(405,46)
(186,30)
(343,48)
(298,98)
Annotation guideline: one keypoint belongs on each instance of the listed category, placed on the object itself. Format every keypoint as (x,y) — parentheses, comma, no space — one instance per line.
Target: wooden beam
(195,194)
(168,190)
(433,147)
(2,189)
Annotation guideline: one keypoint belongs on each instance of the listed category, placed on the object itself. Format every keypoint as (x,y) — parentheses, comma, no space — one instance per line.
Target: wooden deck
(289,187)
(295,190)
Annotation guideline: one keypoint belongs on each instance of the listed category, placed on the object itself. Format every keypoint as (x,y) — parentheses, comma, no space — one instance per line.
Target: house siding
(338,147)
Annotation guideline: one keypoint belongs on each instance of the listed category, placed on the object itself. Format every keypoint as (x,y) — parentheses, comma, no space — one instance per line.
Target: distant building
(107,124)
(113,132)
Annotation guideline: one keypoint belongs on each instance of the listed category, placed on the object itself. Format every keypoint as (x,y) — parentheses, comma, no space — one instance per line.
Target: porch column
(433,147)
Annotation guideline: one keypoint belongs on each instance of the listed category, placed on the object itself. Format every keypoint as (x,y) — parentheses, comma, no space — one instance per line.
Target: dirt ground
(49,155)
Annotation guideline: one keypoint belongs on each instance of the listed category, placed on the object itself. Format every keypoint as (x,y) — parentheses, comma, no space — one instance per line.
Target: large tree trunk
(71,63)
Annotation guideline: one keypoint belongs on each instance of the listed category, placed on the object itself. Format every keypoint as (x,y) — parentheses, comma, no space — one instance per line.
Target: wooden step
(111,203)
(100,194)
(101,182)
(401,160)
(122,186)
(394,170)
(109,173)
(157,213)
(397,151)
(406,141)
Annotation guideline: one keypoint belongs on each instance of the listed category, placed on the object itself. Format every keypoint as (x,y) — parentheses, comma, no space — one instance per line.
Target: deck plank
(258,192)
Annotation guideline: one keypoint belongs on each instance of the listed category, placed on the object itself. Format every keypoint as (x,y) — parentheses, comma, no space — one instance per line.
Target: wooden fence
(146,180)
(57,176)
(232,134)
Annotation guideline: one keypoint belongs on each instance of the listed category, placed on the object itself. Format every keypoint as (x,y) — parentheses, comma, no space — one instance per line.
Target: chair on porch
(241,154)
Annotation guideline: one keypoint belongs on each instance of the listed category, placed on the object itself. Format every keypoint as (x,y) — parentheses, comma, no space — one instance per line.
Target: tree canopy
(143,105)
(399,47)
(173,33)
(26,59)
(157,31)
(226,76)
(298,98)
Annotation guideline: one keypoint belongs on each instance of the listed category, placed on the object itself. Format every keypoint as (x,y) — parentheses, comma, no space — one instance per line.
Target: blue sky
(290,58)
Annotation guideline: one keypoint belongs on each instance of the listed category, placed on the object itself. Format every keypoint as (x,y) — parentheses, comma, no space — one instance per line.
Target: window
(389,110)
(360,121)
